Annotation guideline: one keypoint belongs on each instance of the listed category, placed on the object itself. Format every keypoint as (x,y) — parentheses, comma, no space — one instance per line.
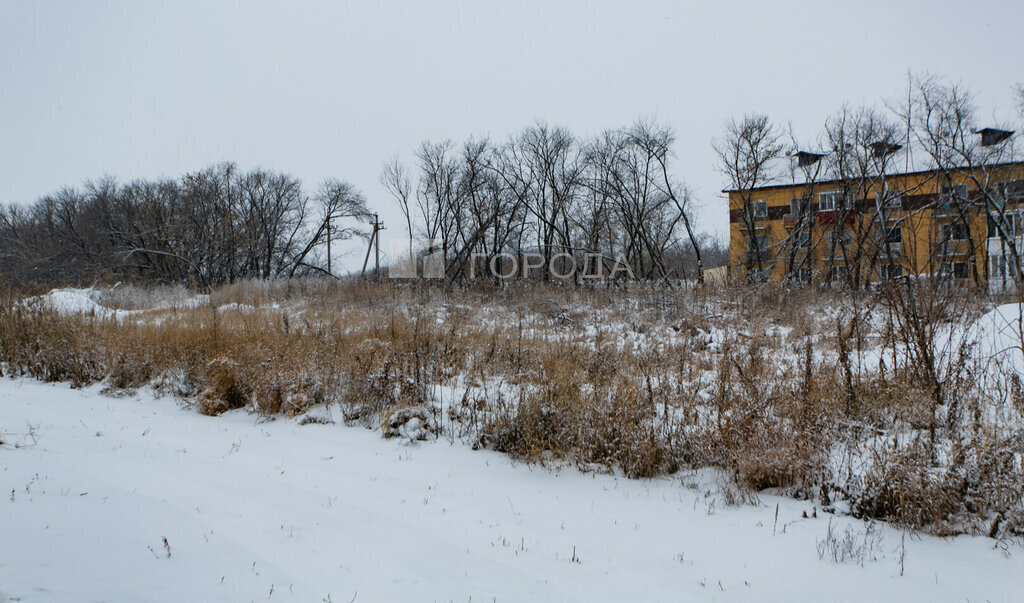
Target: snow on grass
(280,511)
(71,301)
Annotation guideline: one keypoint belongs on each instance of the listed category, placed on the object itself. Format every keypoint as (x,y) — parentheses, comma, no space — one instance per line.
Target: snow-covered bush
(226,388)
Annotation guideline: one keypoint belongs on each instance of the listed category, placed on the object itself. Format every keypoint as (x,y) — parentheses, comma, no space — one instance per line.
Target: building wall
(924,224)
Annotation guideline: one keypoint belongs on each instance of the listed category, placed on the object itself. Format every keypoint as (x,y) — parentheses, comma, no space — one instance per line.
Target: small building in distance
(963,224)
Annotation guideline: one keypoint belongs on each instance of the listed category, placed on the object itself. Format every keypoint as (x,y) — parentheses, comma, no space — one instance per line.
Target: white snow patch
(280,511)
(68,301)
(998,336)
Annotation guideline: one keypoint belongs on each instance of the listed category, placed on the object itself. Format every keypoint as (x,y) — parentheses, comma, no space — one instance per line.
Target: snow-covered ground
(69,301)
(999,337)
(75,301)
(281,511)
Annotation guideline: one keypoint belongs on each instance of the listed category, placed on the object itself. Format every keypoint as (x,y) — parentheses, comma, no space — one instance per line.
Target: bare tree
(336,200)
(747,153)
(628,175)
(436,192)
(656,142)
(941,117)
(396,179)
(862,145)
(542,167)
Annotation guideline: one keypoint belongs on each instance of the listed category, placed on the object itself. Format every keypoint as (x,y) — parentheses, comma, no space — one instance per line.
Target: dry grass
(766,384)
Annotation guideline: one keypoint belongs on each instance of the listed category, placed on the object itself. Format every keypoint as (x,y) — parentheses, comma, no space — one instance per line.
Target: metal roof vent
(993,136)
(806,158)
(884,147)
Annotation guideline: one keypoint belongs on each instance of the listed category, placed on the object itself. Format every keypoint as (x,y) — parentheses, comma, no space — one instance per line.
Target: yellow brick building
(956,225)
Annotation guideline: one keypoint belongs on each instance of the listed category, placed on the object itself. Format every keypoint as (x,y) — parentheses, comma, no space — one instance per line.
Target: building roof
(802,182)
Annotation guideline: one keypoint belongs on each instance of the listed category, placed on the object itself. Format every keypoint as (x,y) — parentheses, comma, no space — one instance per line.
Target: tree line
(206,228)
(611,199)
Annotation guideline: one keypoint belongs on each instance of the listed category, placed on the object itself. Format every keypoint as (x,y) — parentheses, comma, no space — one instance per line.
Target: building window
(997,268)
(801,275)
(890,199)
(957,231)
(954,193)
(841,238)
(832,201)
(894,236)
(759,209)
(757,253)
(890,272)
(802,240)
(799,206)
(757,275)
(839,274)
(1012,224)
(893,242)
(1010,191)
(961,270)
(957,270)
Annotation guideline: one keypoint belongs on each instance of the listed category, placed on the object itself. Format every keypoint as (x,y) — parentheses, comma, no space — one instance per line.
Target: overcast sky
(149,89)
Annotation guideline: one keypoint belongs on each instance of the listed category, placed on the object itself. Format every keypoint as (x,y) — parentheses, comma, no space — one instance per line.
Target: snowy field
(259,511)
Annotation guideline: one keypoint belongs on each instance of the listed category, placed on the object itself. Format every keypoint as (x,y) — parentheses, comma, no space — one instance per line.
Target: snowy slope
(279,511)
(74,301)
(70,301)
(999,336)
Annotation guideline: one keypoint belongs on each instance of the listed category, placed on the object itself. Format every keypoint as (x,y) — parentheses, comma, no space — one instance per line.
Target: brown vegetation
(770,385)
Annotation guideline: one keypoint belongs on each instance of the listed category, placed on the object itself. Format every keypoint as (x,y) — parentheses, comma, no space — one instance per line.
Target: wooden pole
(369,248)
(374,246)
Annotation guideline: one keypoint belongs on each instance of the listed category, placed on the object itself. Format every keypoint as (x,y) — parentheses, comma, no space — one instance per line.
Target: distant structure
(961,224)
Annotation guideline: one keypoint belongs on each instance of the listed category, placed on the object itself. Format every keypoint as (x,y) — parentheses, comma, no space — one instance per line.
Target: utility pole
(374,244)
(377,227)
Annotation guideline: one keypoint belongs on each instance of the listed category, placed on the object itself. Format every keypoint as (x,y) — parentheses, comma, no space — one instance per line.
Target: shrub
(225,387)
